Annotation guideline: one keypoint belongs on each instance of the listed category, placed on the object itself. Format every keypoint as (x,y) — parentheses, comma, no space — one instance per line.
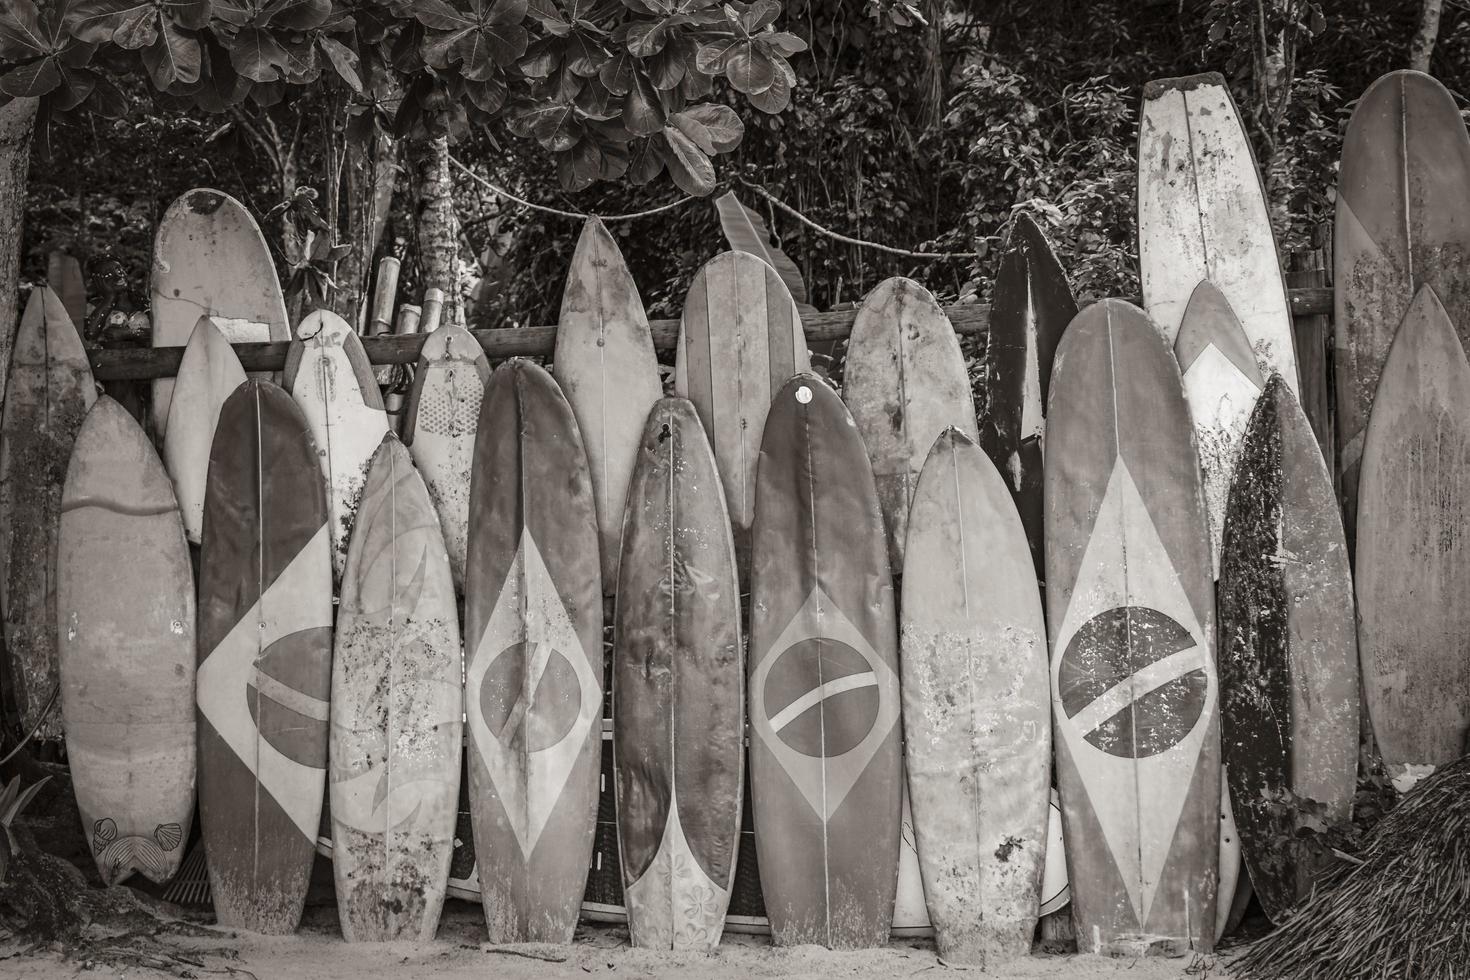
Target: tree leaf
(193,14)
(584,55)
(174,58)
(670,66)
(643,114)
(579,166)
(236,13)
(31,80)
(77,85)
(776,98)
(646,38)
(543,56)
(750,70)
(107,100)
(711,57)
(746,232)
(719,126)
(783,42)
(616,73)
(297,15)
(21,36)
(129,24)
(644,161)
(257,55)
(760,15)
(691,169)
(344,60)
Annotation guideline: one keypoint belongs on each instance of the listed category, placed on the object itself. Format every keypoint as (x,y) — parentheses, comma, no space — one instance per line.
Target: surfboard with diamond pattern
(1131,613)
(265,659)
(823,679)
(534,666)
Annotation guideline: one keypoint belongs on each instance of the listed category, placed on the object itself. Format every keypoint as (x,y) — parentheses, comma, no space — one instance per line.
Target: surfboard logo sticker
(530,702)
(791,717)
(1140,716)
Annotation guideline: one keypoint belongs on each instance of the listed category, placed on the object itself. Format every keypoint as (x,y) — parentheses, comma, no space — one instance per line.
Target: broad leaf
(31,80)
(671,65)
(257,55)
(77,86)
(644,161)
(584,55)
(643,114)
(616,73)
(711,57)
(713,128)
(578,167)
(297,15)
(760,15)
(778,96)
(783,43)
(174,58)
(749,69)
(691,169)
(21,36)
(746,232)
(344,60)
(127,23)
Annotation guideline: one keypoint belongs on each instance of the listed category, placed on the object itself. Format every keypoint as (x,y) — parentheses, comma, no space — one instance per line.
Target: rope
(578,215)
(45,713)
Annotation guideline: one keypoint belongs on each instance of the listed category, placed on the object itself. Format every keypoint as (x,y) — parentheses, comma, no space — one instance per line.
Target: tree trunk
(1421,49)
(368,167)
(438,228)
(17,119)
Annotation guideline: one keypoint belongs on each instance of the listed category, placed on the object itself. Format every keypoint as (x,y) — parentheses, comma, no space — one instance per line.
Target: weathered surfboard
(1033,305)
(976,707)
(1288,647)
(210,259)
(49,392)
(265,659)
(396,699)
(125,606)
(533,632)
(1401,224)
(606,367)
(678,690)
(439,429)
(329,376)
(905,383)
(1202,215)
(740,339)
(825,765)
(1131,610)
(1413,528)
(208,374)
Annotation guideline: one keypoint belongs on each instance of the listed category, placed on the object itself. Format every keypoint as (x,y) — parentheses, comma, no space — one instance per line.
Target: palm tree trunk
(17,119)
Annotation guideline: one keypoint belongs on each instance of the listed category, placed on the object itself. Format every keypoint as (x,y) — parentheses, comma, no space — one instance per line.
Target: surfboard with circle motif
(396,700)
(127,649)
(977,707)
(439,429)
(678,690)
(825,763)
(905,383)
(534,665)
(329,375)
(1202,215)
(1288,648)
(740,339)
(208,374)
(265,659)
(1413,548)
(1131,611)
(49,392)
(210,259)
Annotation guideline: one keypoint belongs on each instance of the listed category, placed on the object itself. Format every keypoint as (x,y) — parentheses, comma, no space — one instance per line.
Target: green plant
(12,801)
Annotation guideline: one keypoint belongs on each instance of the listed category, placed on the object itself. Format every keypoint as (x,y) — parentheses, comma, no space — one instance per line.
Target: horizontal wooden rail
(140,364)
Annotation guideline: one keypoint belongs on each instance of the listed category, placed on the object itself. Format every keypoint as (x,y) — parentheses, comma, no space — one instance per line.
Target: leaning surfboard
(678,690)
(606,367)
(329,375)
(265,667)
(905,383)
(208,374)
(739,341)
(127,649)
(396,698)
(49,392)
(210,259)
(825,766)
(1401,224)
(1414,643)
(1202,215)
(1288,648)
(533,677)
(1131,610)
(976,708)
(1033,305)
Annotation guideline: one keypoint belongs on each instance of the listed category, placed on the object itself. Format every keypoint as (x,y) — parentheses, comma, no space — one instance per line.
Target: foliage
(12,801)
(609,89)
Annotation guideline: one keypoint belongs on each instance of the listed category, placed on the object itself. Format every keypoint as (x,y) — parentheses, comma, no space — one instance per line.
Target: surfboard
(1032,306)
(678,690)
(740,339)
(49,392)
(209,258)
(1400,226)
(533,636)
(1288,647)
(329,376)
(606,367)
(1131,610)
(265,659)
(976,707)
(1202,215)
(396,699)
(1414,643)
(439,429)
(905,383)
(125,621)
(208,374)
(825,764)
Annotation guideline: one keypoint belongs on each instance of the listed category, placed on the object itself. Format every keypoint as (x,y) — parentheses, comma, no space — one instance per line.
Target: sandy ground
(318,953)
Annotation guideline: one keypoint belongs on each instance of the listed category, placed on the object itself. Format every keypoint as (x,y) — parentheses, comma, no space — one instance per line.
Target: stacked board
(265,659)
(678,688)
(533,678)
(824,705)
(1131,612)
(208,374)
(127,649)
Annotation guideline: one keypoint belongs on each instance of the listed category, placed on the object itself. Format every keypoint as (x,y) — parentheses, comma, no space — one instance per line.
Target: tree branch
(1421,48)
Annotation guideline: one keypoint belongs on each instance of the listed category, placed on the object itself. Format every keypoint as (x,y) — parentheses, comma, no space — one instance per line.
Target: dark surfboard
(824,703)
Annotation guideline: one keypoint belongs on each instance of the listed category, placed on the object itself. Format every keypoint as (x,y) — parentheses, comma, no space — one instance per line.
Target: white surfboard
(208,374)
